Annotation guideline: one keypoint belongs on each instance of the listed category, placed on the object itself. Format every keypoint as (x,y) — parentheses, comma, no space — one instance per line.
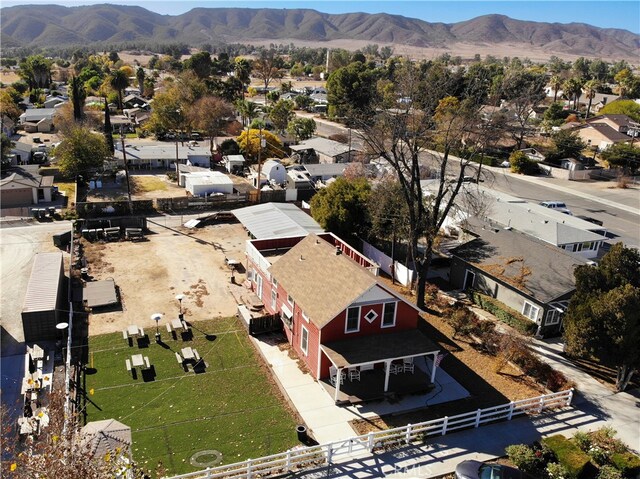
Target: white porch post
(338,382)
(387,367)
(433,368)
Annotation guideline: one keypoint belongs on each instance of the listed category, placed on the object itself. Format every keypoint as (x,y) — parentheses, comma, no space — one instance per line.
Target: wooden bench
(141,333)
(179,358)
(196,355)
(169,330)
(146,362)
(128,362)
(125,335)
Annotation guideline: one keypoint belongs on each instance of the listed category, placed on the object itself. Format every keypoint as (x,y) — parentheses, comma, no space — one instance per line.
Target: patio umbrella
(103,436)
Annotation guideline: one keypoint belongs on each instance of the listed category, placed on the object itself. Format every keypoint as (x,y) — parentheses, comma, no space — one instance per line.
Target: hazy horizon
(620,14)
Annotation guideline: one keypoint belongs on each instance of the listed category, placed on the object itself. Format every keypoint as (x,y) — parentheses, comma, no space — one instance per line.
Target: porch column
(338,381)
(387,367)
(433,368)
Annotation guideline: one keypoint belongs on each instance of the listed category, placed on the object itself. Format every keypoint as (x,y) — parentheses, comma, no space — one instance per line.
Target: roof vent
(301,258)
(317,241)
(338,251)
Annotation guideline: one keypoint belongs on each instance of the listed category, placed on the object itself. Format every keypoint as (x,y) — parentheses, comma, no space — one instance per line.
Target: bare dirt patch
(151,273)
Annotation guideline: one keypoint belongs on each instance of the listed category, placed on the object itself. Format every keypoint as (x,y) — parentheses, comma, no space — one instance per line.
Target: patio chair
(333,372)
(407,365)
(128,363)
(395,368)
(354,374)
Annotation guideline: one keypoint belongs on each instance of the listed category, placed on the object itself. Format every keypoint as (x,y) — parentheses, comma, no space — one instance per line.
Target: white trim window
(274,282)
(352,321)
(389,314)
(259,286)
(553,317)
(530,311)
(290,300)
(304,340)
(274,298)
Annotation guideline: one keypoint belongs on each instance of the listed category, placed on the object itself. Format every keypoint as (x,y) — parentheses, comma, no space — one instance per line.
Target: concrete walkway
(328,422)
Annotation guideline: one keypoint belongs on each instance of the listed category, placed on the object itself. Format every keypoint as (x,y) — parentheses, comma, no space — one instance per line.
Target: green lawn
(232,407)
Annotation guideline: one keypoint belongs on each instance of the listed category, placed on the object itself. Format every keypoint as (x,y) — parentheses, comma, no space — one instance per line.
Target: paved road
(18,247)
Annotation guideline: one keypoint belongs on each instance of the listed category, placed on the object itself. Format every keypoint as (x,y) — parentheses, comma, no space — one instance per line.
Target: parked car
(480,470)
(557,205)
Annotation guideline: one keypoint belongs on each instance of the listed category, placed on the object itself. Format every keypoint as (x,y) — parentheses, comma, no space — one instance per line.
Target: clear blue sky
(609,14)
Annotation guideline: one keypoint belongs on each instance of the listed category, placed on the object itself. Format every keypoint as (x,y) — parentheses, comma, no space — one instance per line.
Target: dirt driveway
(171,261)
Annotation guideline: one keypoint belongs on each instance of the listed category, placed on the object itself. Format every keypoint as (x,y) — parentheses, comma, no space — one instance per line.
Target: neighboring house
(24,186)
(564,231)
(38,120)
(7,126)
(525,274)
(234,163)
(600,135)
(54,101)
(135,101)
(620,123)
(335,312)
(163,155)
(122,124)
(184,170)
(325,171)
(597,102)
(208,183)
(298,180)
(537,112)
(276,220)
(323,150)
(21,153)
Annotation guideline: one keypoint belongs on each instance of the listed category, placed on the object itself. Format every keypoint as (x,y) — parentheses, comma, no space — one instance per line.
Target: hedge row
(577,463)
(627,463)
(505,313)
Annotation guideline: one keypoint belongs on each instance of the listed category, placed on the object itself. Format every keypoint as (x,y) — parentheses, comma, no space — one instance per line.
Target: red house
(338,317)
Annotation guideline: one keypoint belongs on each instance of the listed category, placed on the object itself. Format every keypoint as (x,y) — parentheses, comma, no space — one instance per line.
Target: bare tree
(210,114)
(427,118)
(267,69)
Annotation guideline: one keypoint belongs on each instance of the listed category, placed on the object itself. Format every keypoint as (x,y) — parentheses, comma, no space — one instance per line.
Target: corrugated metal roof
(100,293)
(276,220)
(42,290)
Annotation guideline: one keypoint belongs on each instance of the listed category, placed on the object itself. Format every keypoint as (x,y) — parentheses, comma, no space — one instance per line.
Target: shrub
(569,455)
(504,313)
(599,455)
(557,471)
(523,457)
(520,163)
(626,462)
(609,472)
(583,440)
(605,439)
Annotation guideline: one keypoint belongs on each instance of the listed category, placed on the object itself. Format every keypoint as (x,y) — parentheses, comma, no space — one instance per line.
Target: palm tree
(572,89)
(242,70)
(590,89)
(555,82)
(119,81)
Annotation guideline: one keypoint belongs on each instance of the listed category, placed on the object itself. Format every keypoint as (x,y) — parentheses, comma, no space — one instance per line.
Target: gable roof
(320,281)
(321,169)
(620,120)
(605,130)
(27,176)
(276,220)
(323,145)
(502,254)
(37,114)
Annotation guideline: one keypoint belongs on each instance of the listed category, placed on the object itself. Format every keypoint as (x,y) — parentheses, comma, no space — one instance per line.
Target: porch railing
(323,454)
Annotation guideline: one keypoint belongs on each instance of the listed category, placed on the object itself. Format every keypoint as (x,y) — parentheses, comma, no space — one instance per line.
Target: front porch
(370,387)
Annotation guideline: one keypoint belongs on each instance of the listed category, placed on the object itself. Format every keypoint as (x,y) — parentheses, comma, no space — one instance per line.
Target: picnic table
(187,353)
(137,360)
(133,331)
(178,324)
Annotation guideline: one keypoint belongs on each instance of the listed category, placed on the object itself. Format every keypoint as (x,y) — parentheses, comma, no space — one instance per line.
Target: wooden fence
(324,454)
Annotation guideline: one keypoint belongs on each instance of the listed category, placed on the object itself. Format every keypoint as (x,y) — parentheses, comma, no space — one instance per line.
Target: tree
(555,82)
(520,163)
(267,69)
(622,107)
(301,128)
(402,135)
(555,114)
(210,114)
(281,114)
(566,145)
(78,96)
(572,88)
(603,318)
(200,63)
(36,71)
(9,99)
(118,80)
(5,146)
(108,130)
(81,151)
(590,89)
(140,76)
(249,142)
(242,71)
(523,90)
(351,91)
(303,102)
(628,83)
(623,155)
(341,207)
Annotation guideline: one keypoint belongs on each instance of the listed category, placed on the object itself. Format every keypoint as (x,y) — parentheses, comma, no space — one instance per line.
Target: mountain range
(47,25)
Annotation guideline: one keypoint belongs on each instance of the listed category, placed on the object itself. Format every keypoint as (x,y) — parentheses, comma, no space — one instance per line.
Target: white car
(557,205)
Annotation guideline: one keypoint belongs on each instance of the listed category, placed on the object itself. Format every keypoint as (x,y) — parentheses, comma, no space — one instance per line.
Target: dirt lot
(171,261)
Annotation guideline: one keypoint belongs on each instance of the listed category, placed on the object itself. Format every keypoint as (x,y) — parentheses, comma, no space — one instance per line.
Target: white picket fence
(316,456)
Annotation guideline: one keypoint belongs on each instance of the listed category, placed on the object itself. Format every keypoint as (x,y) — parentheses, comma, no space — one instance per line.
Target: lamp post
(157,317)
(180,297)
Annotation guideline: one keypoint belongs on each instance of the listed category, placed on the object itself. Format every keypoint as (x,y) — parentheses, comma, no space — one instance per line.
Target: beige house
(600,135)
(25,187)
(620,123)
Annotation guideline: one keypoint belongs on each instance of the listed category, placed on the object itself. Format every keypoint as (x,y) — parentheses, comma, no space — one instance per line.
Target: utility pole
(126,169)
(260,164)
